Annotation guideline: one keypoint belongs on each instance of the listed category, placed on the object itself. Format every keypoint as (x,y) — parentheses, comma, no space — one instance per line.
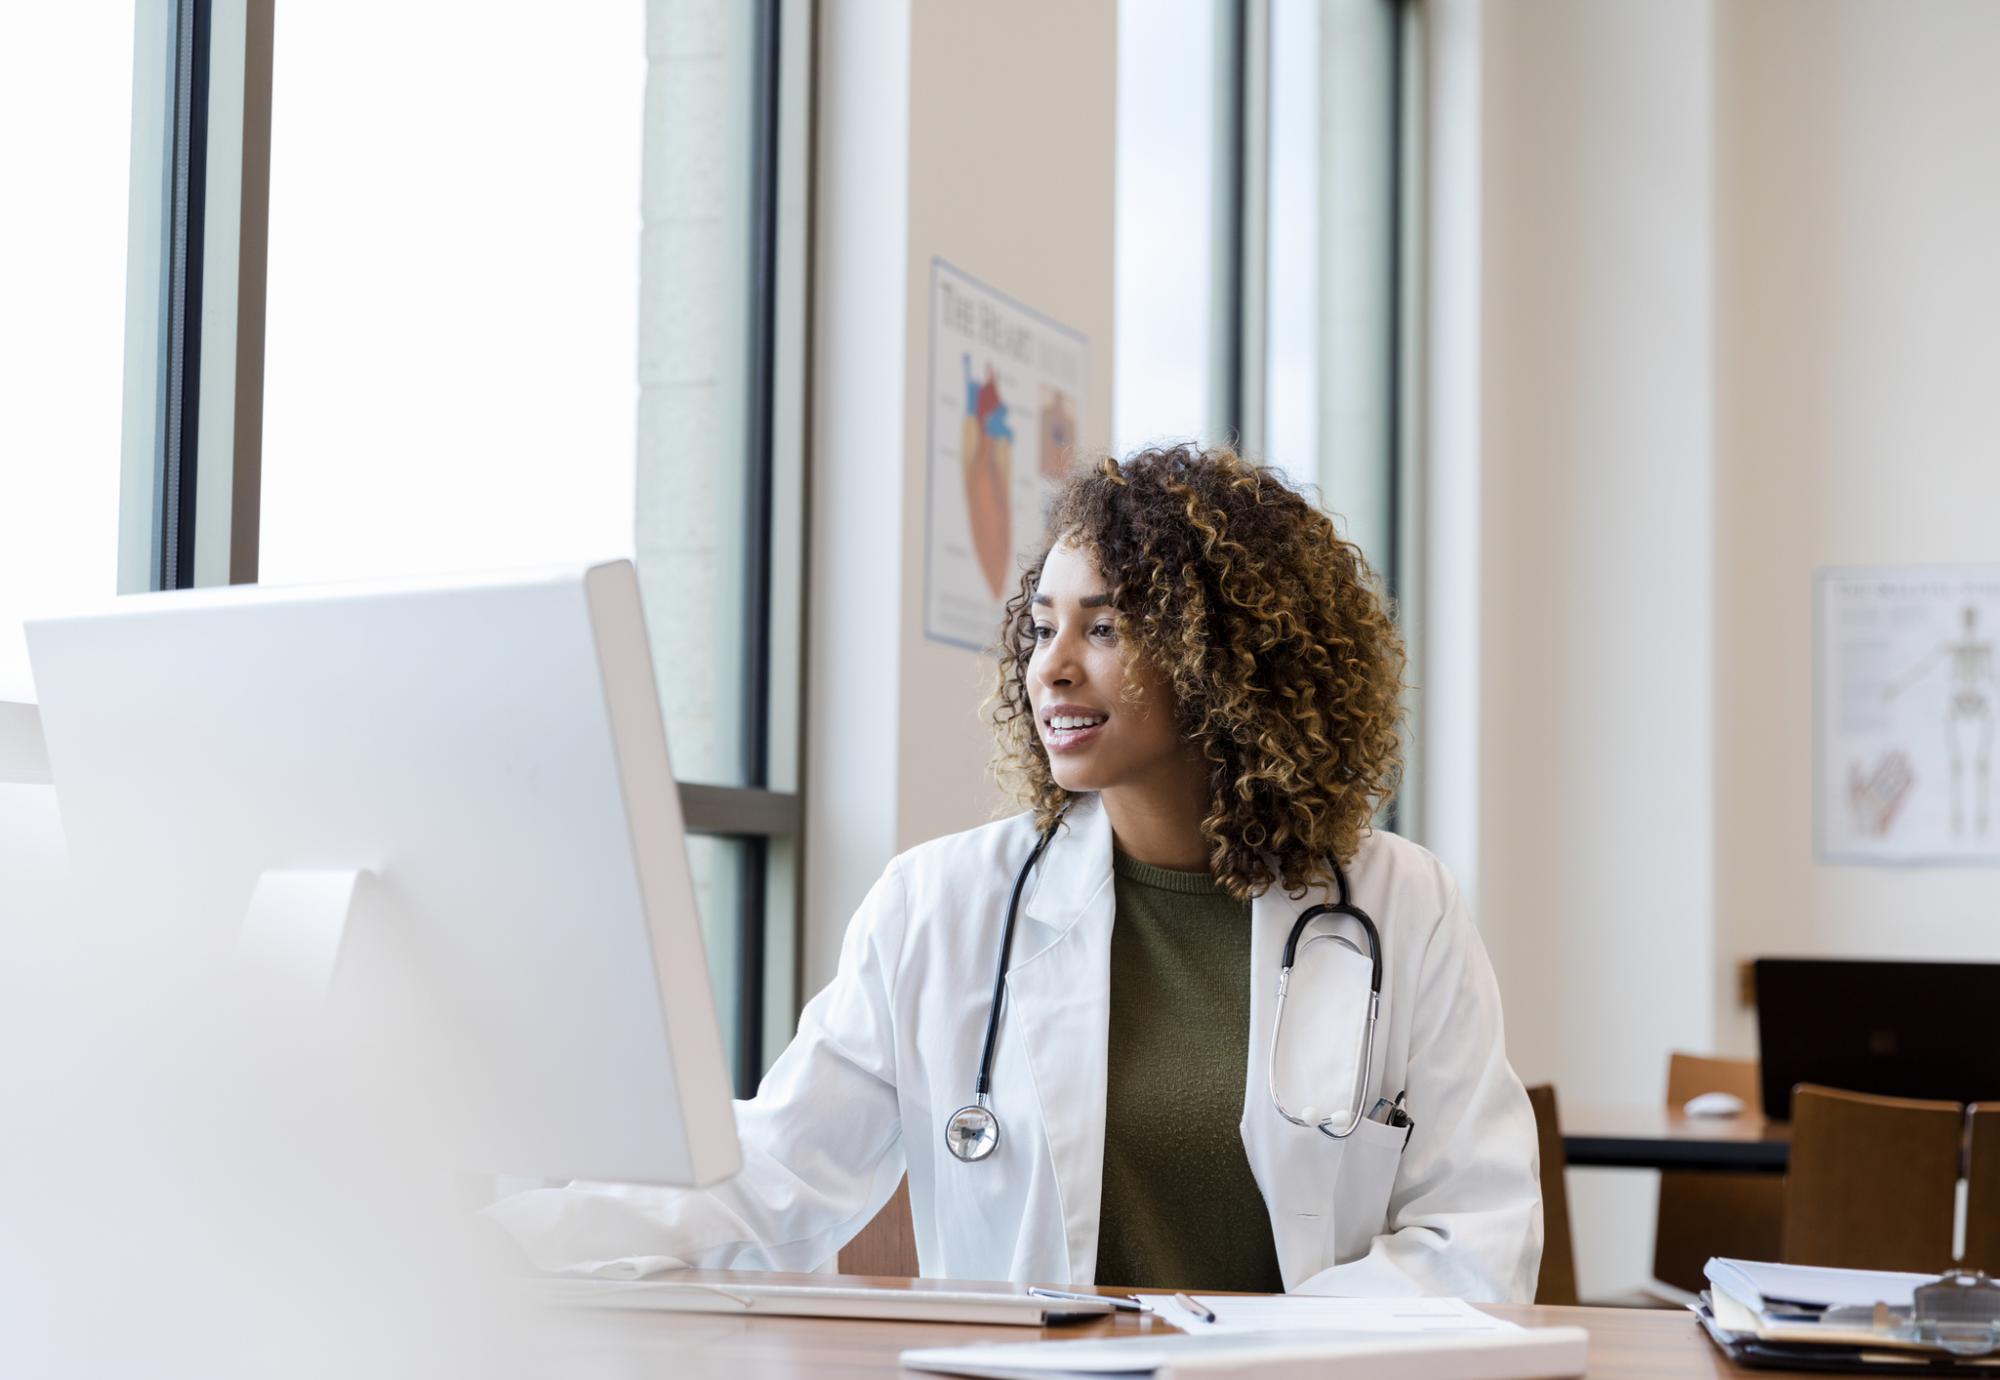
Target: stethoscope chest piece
(972,1133)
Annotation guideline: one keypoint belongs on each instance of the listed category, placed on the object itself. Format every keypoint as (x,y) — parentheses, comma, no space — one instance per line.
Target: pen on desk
(1200,1310)
(1114,1301)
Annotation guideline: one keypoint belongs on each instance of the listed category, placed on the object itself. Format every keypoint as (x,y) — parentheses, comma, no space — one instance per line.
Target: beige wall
(1738,318)
(1594,780)
(1013,144)
(1594,784)
(1858,420)
(985,136)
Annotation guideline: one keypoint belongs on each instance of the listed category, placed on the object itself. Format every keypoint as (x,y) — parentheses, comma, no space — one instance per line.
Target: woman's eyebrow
(1089,601)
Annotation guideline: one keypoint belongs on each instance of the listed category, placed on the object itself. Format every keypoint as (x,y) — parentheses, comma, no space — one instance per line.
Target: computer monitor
(1891,1027)
(463,779)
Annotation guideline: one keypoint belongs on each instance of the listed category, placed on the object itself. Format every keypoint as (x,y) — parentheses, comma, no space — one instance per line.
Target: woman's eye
(1045,632)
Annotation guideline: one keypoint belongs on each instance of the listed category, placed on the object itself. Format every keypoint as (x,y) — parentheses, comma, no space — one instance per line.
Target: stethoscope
(973,1131)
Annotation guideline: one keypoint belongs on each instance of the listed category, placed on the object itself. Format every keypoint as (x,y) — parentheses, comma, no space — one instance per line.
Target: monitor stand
(296,922)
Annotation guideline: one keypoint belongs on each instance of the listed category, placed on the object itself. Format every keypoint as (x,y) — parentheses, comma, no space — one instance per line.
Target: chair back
(1689,1075)
(887,1246)
(1873,1181)
(1557,1284)
(1705,1214)
(1982,1189)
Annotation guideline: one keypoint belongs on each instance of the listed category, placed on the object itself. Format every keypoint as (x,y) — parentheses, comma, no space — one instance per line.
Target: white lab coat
(886,1052)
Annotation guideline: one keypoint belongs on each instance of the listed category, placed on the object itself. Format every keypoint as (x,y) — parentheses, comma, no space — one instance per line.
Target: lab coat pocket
(1362,1187)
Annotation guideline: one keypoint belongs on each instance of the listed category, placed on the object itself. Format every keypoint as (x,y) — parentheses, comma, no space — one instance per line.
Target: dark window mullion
(761,369)
(187,197)
(750,947)
(1232,96)
(1390,562)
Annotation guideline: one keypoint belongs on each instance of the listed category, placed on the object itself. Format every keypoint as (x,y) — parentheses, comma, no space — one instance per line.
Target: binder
(1773,1316)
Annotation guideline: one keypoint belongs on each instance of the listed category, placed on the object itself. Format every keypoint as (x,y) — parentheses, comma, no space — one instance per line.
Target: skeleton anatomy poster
(1006,399)
(1908,694)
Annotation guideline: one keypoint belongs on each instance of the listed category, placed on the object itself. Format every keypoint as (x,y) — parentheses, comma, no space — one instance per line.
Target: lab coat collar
(1076,867)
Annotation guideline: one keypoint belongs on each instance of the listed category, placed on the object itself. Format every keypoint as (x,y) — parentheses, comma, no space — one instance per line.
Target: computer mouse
(1714,1104)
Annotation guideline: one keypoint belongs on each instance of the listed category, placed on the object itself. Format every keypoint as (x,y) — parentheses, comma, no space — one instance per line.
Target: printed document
(1307,1313)
(1514,1353)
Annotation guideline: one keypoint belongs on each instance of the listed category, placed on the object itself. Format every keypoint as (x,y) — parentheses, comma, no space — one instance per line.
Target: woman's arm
(1465,1217)
(822,1143)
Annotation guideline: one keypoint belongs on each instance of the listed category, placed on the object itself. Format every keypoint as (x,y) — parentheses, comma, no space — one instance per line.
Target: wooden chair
(1873,1181)
(1558,1280)
(1982,1191)
(886,1246)
(1705,1214)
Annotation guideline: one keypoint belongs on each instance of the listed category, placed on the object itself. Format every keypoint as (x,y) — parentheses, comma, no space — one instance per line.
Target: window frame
(192,458)
(1243,285)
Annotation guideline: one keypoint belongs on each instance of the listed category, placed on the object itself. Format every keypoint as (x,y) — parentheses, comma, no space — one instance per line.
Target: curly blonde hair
(1284,662)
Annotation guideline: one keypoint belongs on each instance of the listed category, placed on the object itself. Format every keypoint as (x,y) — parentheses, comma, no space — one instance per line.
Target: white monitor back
(489,753)
(33,877)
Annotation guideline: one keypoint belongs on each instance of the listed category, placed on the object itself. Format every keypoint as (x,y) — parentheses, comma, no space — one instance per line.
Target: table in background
(1625,1343)
(1666,1138)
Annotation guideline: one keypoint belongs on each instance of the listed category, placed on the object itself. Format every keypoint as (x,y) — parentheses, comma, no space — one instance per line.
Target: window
(1334,319)
(62,334)
(1174,163)
(1264,196)
(450,335)
(1341,298)
(538,297)
(1267,288)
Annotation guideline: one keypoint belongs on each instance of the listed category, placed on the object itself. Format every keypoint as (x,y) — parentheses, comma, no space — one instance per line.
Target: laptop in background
(1883,1026)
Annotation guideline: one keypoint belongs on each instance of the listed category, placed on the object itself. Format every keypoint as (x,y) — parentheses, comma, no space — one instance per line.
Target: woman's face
(1104,712)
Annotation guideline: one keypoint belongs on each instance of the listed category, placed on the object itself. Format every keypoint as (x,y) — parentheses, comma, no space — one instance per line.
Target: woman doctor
(1198,698)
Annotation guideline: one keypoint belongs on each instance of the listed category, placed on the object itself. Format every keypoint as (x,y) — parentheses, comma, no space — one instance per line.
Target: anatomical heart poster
(1908,701)
(1006,406)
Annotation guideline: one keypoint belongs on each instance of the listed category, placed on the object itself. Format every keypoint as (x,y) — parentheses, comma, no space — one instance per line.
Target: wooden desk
(1660,1138)
(1625,1343)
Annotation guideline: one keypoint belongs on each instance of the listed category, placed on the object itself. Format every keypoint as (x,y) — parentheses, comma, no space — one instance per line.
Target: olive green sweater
(1180,1208)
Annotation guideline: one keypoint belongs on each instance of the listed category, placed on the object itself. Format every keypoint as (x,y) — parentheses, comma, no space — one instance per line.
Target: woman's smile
(1071,727)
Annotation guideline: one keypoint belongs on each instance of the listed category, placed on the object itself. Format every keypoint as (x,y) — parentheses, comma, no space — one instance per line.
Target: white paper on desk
(1756,1284)
(626,1268)
(1516,1354)
(1314,1313)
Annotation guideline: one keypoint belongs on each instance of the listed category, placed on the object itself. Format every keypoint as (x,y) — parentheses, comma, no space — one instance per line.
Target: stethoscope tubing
(1344,907)
(983,1087)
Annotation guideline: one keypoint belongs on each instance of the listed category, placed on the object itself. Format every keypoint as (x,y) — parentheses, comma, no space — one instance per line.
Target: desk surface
(1663,1138)
(1625,1343)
